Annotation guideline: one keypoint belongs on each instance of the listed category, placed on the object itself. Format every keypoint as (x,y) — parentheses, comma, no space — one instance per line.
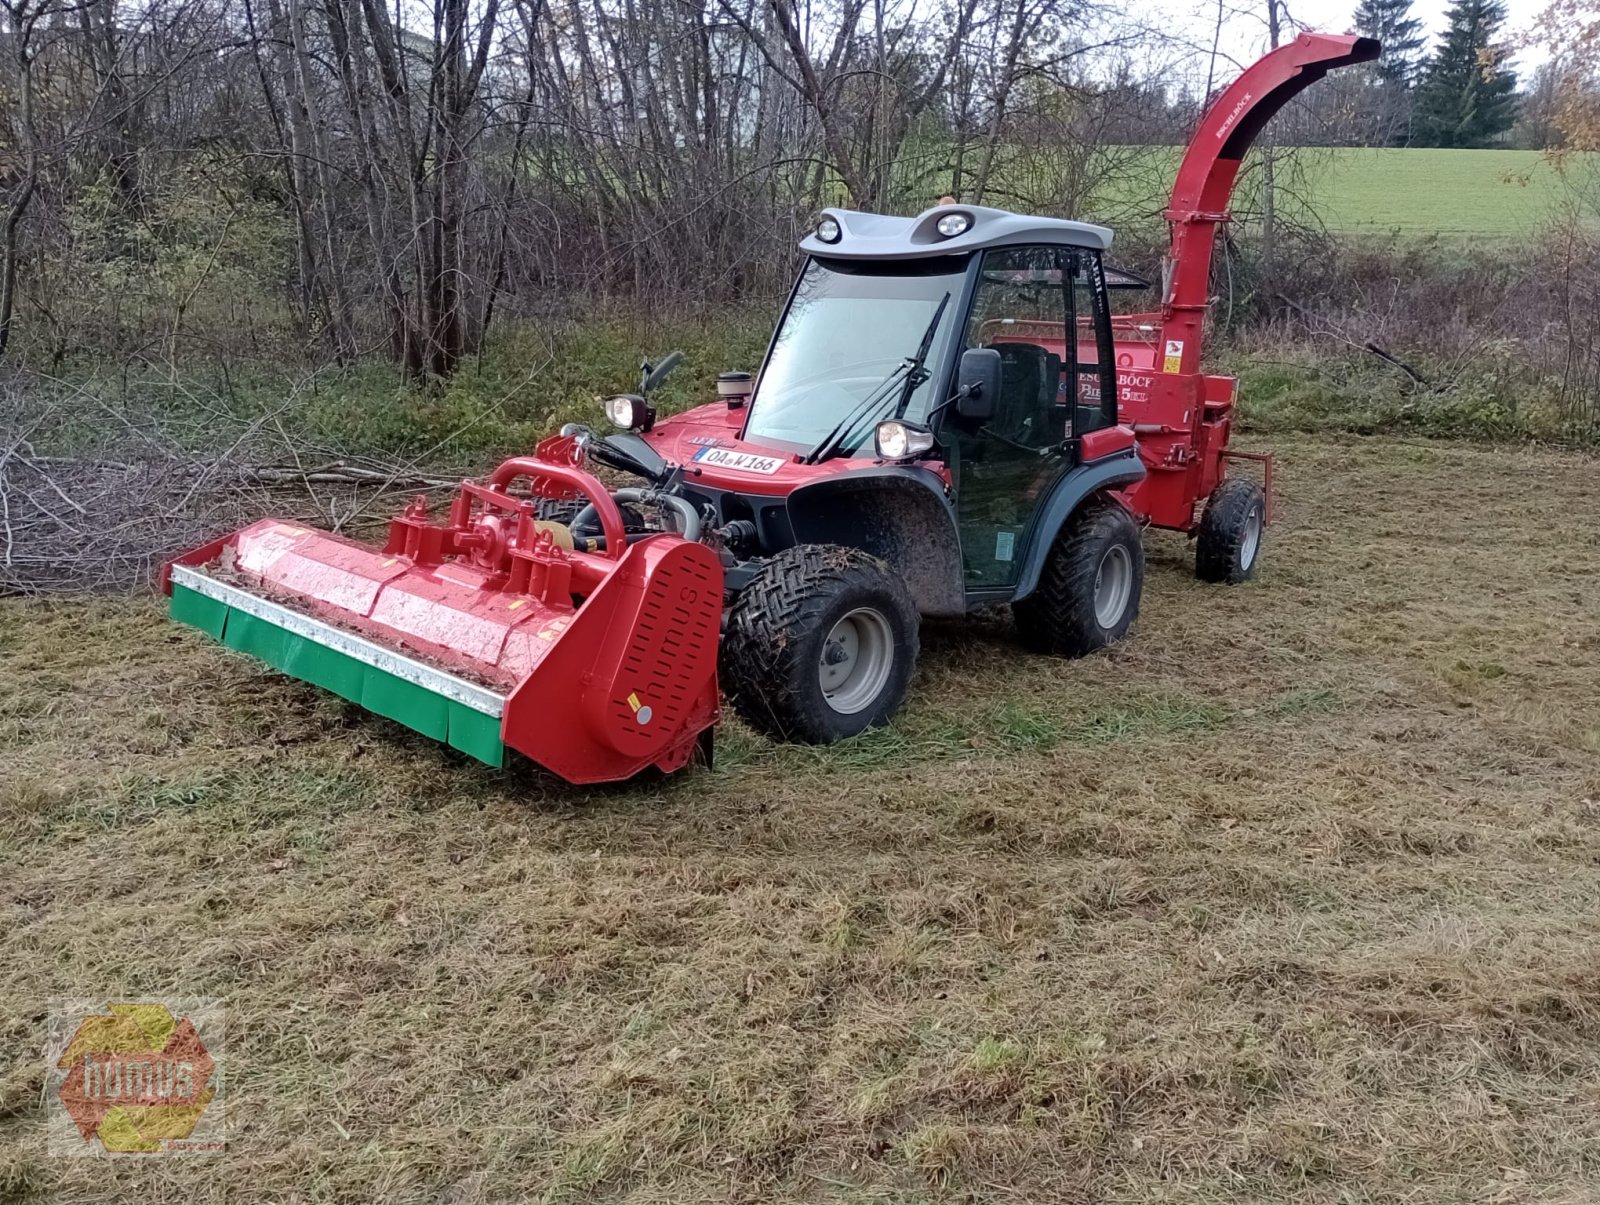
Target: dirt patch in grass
(1293,895)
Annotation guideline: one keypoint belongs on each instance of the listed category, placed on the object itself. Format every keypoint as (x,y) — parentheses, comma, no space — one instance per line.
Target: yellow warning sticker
(1174,358)
(633,701)
(521,602)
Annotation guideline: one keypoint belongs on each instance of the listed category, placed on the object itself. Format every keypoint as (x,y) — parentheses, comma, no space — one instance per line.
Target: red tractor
(949,417)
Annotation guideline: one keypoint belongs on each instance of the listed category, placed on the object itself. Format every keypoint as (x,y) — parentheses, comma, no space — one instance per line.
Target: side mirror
(978,383)
(651,375)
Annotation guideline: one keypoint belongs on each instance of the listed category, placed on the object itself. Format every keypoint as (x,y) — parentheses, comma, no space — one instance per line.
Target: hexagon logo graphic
(136,1078)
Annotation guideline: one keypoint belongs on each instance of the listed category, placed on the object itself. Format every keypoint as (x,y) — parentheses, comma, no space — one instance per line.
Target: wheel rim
(1113,583)
(1251,541)
(856,659)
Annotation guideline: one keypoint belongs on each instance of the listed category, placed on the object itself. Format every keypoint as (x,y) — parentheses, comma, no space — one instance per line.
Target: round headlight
(898,440)
(953,224)
(625,412)
(891,441)
(828,231)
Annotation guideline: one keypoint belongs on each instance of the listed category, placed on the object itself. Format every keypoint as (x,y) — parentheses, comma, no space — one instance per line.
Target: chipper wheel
(1088,593)
(1229,539)
(820,645)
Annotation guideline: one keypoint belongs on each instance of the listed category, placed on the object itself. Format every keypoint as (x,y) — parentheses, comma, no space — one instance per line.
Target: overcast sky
(1244,31)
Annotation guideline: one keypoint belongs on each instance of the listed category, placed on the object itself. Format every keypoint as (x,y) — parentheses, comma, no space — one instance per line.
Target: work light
(828,231)
(626,411)
(953,224)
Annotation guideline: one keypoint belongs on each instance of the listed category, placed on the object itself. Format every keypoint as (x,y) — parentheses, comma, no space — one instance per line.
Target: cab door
(1027,306)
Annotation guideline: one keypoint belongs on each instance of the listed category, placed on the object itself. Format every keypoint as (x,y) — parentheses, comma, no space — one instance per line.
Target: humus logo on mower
(135,1078)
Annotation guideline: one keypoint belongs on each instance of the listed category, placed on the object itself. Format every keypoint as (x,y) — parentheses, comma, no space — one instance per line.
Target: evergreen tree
(1387,84)
(1391,22)
(1466,97)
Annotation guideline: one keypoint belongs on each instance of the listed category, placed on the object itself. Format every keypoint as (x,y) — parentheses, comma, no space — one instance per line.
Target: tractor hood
(705,441)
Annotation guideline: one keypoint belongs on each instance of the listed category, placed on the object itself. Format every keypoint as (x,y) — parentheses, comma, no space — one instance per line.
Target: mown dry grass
(1293,896)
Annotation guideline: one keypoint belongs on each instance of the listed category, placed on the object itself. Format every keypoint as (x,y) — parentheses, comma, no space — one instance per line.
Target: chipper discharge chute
(492,629)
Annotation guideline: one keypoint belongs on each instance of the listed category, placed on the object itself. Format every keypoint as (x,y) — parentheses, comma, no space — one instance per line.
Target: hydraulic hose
(688,517)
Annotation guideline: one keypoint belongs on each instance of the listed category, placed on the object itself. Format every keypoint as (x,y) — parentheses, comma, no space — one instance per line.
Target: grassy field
(1291,896)
(1504,196)
(1499,194)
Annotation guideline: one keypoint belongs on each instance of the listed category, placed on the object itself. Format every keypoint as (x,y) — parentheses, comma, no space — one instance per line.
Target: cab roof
(881,236)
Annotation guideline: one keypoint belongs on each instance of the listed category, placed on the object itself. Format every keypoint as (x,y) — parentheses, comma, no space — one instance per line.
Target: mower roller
(949,417)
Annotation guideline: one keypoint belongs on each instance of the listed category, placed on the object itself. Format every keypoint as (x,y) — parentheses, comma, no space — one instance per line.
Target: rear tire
(1088,594)
(1228,543)
(820,645)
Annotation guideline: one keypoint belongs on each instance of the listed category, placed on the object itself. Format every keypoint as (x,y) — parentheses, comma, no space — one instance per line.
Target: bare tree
(22,18)
(396,179)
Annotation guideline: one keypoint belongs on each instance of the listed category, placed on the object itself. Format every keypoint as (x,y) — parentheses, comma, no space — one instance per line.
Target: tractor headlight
(953,224)
(828,231)
(626,411)
(899,440)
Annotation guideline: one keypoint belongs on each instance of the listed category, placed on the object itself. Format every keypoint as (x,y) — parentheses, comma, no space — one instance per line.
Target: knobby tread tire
(775,632)
(1219,542)
(1059,616)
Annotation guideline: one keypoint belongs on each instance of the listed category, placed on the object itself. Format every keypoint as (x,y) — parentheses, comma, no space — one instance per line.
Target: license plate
(743,462)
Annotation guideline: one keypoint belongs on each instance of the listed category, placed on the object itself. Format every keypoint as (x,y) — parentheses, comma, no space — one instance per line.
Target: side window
(1022,310)
(1041,308)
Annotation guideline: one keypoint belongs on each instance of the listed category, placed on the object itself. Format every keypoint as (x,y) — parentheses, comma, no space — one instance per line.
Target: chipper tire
(1228,543)
(1088,593)
(820,645)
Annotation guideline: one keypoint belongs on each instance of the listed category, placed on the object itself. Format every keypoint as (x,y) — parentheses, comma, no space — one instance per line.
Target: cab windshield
(847,337)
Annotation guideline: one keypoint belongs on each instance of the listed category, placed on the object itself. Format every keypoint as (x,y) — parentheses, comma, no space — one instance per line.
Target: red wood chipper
(949,417)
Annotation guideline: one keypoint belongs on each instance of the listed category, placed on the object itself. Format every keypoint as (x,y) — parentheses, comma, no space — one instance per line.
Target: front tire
(1228,543)
(820,645)
(1088,594)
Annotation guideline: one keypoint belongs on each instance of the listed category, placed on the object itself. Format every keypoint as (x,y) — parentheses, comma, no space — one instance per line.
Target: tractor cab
(940,391)
(926,306)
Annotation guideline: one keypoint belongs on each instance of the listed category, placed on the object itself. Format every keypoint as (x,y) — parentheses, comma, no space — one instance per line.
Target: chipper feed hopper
(949,417)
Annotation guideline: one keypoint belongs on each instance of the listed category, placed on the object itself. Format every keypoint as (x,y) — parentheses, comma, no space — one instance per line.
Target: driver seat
(1030,377)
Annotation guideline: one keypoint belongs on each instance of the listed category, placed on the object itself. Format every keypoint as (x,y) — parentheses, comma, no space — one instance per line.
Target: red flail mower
(949,417)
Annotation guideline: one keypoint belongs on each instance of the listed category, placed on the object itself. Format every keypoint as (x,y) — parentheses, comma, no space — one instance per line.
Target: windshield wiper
(831,441)
(918,373)
(915,375)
